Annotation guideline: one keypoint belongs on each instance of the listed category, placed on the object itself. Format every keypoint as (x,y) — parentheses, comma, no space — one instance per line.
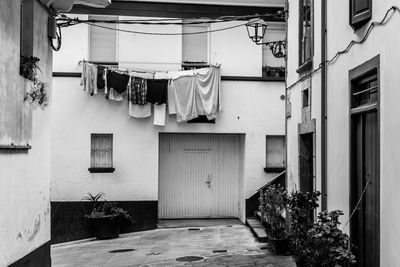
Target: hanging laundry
(157,91)
(197,95)
(139,111)
(89,78)
(184,93)
(159,114)
(100,77)
(117,81)
(171,99)
(208,89)
(114,95)
(137,90)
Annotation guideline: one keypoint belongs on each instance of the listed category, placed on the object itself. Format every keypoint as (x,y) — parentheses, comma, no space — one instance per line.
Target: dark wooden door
(365,186)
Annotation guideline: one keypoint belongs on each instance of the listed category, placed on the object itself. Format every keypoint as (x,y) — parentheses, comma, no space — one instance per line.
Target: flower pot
(279,246)
(106,227)
(299,262)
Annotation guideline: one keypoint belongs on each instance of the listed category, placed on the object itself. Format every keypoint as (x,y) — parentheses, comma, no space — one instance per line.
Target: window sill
(274,169)
(305,66)
(15,147)
(101,170)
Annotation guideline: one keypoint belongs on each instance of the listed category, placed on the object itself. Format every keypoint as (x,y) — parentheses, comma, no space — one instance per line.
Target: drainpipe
(324,76)
(286,93)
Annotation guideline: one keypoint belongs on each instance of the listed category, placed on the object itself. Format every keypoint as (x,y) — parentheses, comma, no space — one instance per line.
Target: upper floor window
(194,46)
(305,33)
(103,42)
(360,13)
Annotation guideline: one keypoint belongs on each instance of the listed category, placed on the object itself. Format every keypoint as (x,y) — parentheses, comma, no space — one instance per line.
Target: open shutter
(360,13)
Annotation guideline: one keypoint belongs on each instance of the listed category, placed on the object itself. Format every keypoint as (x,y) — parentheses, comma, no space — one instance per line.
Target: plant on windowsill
(301,206)
(327,245)
(29,69)
(106,216)
(274,207)
(273,72)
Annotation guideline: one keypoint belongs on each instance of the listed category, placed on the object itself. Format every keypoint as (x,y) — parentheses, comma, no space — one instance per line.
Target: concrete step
(257,229)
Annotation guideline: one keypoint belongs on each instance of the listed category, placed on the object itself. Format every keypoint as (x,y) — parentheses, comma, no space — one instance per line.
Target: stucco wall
(24,177)
(383,41)
(251,108)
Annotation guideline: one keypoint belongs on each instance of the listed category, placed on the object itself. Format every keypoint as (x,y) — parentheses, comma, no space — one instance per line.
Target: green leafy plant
(301,206)
(29,67)
(103,208)
(274,206)
(327,245)
(38,95)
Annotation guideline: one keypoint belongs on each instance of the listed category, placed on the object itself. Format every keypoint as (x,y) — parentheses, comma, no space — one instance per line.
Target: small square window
(275,153)
(101,153)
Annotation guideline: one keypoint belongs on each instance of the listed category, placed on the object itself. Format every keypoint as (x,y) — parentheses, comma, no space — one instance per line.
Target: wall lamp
(256,30)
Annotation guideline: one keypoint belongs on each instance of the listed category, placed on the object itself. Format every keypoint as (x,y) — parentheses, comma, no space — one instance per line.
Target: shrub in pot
(274,205)
(327,245)
(301,206)
(106,217)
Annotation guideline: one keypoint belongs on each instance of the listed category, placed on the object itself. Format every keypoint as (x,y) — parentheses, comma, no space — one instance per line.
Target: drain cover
(189,258)
(122,250)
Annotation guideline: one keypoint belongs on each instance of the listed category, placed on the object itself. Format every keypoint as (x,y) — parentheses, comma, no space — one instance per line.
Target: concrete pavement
(231,245)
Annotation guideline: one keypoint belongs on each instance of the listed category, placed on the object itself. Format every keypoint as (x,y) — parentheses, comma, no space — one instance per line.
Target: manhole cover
(122,250)
(189,258)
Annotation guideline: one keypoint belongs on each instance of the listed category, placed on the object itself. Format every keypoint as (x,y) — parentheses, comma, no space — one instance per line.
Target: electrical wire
(167,34)
(383,21)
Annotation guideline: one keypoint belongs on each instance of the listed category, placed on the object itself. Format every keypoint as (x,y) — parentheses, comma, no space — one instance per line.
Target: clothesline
(188,93)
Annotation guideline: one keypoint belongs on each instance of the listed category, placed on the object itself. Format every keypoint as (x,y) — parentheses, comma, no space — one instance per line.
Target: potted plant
(275,204)
(301,206)
(106,216)
(29,67)
(327,245)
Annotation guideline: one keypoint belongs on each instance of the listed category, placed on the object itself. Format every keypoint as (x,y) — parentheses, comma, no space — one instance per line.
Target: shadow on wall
(68,221)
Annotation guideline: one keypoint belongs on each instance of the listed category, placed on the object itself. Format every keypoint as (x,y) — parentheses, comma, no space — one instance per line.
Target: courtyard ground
(223,245)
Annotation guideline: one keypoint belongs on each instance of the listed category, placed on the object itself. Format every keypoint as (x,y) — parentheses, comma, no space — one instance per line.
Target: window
(103,42)
(275,153)
(26,29)
(305,34)
(306,97)
(101,153)
(194,46)
(360,13)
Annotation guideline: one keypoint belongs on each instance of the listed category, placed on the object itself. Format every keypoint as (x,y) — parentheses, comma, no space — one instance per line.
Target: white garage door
(199,176)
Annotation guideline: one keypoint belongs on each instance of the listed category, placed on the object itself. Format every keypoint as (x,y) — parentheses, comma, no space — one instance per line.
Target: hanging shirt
(183,90)
(159,114)
(89,78)
(139,111)
(100,77)
(157,91)
(171,99)
(137,90)
(117,81)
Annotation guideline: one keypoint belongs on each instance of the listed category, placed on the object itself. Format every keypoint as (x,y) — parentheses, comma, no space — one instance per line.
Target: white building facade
(341,122)
(180,170)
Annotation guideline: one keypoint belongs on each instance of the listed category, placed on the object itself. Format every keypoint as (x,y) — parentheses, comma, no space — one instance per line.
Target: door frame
(369,67)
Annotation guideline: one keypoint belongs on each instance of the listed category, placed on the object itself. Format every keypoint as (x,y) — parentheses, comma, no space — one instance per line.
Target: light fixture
(256,29)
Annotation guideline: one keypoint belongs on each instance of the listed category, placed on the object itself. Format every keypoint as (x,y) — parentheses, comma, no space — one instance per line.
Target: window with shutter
(103,42)
(305,34)
(101,153)
(360,13)
(194,46)
(275,153)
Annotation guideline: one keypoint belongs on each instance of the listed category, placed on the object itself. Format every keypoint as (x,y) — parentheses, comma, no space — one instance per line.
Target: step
(257,229)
